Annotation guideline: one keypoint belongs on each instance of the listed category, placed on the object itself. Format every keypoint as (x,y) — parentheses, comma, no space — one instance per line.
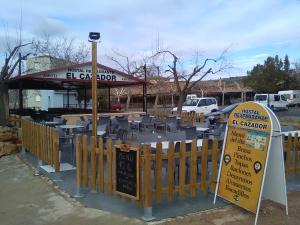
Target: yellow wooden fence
(292,149)
(101,172)
(41,141)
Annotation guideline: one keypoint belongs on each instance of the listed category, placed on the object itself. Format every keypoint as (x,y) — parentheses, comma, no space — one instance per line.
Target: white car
(199,105)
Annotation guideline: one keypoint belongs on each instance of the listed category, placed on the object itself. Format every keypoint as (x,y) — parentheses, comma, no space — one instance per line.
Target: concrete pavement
(26,199)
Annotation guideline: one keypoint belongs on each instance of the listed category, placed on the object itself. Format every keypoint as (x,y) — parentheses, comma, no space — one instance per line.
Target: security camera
(94,36)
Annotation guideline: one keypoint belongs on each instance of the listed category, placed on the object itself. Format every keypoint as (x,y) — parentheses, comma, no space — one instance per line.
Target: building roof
(77,76)
(162,86)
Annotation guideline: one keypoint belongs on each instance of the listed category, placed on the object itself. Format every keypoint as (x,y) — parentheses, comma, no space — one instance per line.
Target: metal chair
(190,132)
(146,122)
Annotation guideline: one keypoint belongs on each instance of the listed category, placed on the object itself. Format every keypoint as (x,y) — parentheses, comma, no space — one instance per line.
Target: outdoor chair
(171,123)
(146,123)
(190,132)
(123,129)
(66,141)
(159,124)
(103,124)
(176,136)
(286,128)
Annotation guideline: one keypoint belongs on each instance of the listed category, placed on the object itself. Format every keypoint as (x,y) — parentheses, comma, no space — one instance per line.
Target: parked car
(215,116)
(292,96)
(273,101)
(116,106)
(199,105)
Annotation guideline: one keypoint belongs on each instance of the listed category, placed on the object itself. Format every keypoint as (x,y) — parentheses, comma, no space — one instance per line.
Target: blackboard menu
(127,171)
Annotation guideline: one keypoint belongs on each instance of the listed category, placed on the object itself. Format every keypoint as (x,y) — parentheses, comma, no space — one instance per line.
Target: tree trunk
(182,97)
(128,100)
(4,107)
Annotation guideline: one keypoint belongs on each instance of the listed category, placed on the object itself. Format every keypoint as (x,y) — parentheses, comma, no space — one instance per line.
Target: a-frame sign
(252,165)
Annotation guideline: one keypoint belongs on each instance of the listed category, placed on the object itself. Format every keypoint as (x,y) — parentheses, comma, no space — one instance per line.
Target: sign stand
(252,165)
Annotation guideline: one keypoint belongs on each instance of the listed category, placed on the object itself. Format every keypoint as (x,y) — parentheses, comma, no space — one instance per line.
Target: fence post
(182,169)
(204,166)
(296,151)
(214,173)
(171,171)
(109,166)
(85,162)
(193,177)
(147,185)
(78,165)
(288,153)
(158,172)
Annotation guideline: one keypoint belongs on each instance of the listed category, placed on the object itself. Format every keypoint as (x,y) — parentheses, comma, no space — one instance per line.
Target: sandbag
(7,148)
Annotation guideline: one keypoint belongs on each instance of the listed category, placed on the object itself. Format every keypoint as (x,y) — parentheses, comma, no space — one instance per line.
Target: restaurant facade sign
(246,170)
(85,73)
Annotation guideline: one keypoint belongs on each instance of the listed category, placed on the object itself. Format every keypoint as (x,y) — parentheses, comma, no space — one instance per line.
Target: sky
(250,30)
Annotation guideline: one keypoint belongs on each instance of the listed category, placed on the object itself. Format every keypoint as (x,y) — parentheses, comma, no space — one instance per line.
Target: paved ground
(270,214)
(26,199)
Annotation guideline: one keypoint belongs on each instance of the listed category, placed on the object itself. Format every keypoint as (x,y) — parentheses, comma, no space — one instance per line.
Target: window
(276,98)
(190,102)
(37,98)
(283,97)
(261,97)
(202,103)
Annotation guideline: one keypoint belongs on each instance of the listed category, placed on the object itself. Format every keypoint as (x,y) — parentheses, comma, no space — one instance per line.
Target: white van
(292,96)
(273,101)
(199,105)
(191,96)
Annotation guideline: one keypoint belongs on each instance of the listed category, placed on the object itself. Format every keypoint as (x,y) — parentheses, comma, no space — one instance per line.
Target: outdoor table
(52,123)
(101,133)
(70,127)
(165,144)
(202,129)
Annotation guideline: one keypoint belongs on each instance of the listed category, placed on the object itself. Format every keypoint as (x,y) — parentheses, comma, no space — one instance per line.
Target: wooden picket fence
(41,141)
(292,149)
(95,169)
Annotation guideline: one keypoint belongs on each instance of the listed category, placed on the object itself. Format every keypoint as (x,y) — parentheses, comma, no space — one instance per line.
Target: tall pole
(94,87)
(20,86)
(145,91)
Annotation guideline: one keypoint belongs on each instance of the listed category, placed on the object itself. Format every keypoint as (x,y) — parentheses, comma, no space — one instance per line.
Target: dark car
(215,116)
(116,106)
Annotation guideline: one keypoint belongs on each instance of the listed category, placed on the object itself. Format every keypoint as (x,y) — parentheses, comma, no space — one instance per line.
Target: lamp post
(94,38)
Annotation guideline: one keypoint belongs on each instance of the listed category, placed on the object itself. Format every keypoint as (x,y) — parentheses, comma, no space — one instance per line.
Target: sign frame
(127,148)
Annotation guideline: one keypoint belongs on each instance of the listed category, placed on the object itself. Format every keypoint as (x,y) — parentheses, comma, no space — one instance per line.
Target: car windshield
(261,97)
(191,102)
(229,108)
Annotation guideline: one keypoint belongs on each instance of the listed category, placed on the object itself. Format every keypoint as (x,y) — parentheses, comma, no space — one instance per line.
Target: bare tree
(222,88)
(118,92)
(65,49)
(10,63)
(62,51)
(184,80)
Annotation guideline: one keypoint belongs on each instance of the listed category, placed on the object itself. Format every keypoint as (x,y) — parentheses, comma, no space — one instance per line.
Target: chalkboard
(127,171)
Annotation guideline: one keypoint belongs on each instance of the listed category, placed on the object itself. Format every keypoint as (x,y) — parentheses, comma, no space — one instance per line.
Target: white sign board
(85,73)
